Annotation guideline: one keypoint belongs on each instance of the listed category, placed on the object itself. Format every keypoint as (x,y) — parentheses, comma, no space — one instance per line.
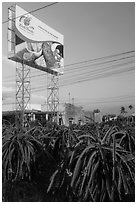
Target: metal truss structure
(22,92)
(22,74)
(53,95)
(23,81)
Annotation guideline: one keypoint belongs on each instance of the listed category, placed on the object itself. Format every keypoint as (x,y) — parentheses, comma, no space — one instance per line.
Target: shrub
(19,150)
(98,169)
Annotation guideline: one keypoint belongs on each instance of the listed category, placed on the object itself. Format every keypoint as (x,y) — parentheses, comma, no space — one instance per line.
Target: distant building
(30,116)
(109,117)
(98,117)
(76,115)
(72,113)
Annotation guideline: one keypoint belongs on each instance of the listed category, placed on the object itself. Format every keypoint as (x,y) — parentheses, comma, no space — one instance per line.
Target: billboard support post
(53,95)
(22,91)
(32,43)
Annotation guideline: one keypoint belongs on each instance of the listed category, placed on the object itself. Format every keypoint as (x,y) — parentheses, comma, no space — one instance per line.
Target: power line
(70,82)
(92,77)
(95,75)
(79,68)
(94,72)
(33,11)
(76,68)
(85,78)
(100,69)
(100,76)
(102,58)
(92,60)
(107,100)
(100,63)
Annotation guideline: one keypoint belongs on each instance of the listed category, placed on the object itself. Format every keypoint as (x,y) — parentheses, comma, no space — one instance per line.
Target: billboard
(33,42)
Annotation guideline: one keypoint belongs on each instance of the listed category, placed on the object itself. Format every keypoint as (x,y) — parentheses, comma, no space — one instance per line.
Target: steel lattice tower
(53,95)
(22,91)
(22,74)
(23,79)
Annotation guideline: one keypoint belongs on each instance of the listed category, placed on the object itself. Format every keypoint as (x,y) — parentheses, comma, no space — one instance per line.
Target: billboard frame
(23,77)
(16,54)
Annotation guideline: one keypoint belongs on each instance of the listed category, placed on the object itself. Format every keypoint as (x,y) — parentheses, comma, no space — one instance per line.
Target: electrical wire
(95,74)
(100,76)
(93,60)
(32,11)
(77,69)
(84,78)
(101,69)
(93,101)
(88,78)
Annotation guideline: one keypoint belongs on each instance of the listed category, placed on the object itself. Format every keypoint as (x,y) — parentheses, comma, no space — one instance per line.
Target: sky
(91,30)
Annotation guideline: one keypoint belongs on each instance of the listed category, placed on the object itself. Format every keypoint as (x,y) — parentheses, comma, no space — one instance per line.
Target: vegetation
(91,162)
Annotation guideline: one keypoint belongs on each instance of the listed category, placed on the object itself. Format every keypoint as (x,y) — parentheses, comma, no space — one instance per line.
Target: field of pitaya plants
(87,163)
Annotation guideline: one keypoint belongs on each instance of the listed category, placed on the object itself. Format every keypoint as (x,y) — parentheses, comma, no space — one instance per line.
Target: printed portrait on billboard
(37,44)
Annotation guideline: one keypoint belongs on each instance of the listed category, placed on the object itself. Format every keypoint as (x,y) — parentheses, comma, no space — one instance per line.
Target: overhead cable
(76,68)
(33,11)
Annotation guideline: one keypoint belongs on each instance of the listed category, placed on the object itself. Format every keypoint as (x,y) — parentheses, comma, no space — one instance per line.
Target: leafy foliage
(93,162)
(18,152)
(99,168)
